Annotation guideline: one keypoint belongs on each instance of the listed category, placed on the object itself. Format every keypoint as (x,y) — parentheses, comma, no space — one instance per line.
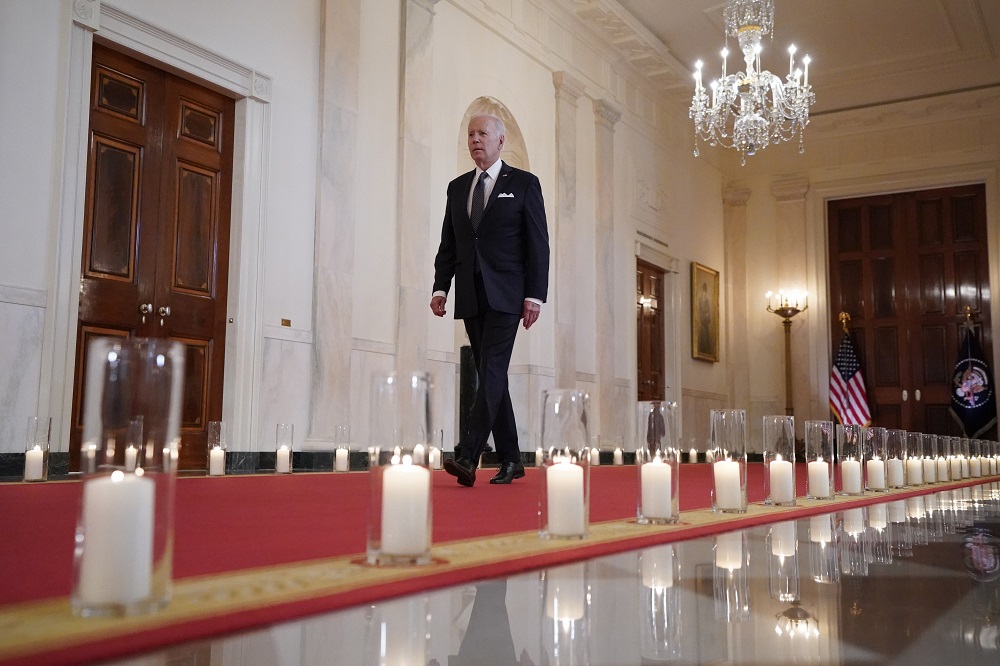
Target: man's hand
(529,313)
(437,306)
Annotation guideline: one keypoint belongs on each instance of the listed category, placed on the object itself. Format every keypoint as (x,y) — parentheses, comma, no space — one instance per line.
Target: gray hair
(495,123)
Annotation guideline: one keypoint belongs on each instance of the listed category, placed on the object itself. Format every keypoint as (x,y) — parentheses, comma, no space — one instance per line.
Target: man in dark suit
(495,244)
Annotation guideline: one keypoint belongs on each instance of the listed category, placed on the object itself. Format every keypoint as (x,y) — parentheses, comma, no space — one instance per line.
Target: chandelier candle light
(748,110)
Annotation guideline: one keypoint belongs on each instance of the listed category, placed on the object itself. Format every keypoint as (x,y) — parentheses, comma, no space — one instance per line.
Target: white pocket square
(505,195)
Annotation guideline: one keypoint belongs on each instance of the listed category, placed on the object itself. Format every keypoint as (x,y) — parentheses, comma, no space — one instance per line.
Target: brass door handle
(144,310)
(164,312)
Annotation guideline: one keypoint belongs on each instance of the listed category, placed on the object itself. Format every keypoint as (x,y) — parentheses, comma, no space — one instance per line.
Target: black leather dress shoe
(463,469)
(508,472)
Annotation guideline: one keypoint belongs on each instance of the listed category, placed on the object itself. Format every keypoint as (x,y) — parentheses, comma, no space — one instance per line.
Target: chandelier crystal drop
(751,109)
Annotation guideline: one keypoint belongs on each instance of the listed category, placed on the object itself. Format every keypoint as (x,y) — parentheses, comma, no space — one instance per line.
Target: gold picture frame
(704,313)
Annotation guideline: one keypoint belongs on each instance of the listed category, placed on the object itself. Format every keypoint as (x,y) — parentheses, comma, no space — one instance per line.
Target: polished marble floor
(913,581)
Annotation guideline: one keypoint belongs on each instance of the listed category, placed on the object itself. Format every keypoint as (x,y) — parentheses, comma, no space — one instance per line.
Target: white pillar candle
(33,464)
(820,529)
(658,567)
(897,511)
(965,467)
(956,468)
(709,456)
(564,494)
(781,475)
(876,473)
(282,464)
(565,593)
(216,461)
(854,521)
(418,454)
(434,458)
(819,478)
(619,457)
(975,468)
(117,562)
(693,455)
(405,501)
(914,471)
(728,489)
(595,456)
(729,551)
(539,457)
(985,463)
(896,477)
(342,461)
(850,476)
(878,516)
(993,466)
(783,539)
(930,471)
(657,489)
(130,455)
(942,469)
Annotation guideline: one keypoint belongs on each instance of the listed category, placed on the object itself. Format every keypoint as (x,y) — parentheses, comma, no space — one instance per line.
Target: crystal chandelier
(749,110)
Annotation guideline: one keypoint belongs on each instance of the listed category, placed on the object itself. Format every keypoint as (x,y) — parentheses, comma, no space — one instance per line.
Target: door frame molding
(817,244)
(653,251)
(251,154)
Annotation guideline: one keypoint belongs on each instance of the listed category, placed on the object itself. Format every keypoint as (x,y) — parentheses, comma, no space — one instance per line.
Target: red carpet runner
(235,531)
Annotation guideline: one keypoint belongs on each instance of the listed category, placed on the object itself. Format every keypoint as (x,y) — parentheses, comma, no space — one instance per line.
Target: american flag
(848,398)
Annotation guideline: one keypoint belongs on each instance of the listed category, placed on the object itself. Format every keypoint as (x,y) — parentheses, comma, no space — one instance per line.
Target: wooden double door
(905,267)
(649,331)
(156,229)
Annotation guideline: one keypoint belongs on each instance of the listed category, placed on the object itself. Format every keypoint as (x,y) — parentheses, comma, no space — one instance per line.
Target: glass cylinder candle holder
(895,458)
(975,462)
(730,578)
(659,604)
(964,457)
(564,503)
(36,448)
(342,449)
(943,458)
(779,460)
(854,543)
(399,500)
(823,563)
(595,450)
(851,455)
(565,614)
(397,631)
(729,471)
(618,455)
(124,535)
(955,459)
(783,561)
(284,438)
(875,448)
(819,459)
(930,458)
(218,439)
(657,460)
(914,459)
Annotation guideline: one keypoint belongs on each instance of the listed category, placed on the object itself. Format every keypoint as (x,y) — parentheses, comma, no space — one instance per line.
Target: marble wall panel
(365,364)
(284,395)
(20,365)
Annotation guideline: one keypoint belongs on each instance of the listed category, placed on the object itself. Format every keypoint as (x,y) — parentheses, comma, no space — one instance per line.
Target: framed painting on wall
(704,313)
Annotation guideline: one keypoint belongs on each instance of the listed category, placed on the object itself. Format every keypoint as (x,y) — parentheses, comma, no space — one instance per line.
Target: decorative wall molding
(606,112)
(736,196)
(373,346)
(653,251)
(568,88)
(27,296)
(790,190)
(288,334)
(87,14)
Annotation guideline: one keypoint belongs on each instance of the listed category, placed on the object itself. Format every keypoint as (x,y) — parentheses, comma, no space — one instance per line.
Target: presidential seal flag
(848,398)
(973,403)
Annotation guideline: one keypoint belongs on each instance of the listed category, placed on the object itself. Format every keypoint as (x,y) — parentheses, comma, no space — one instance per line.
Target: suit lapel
(502,179)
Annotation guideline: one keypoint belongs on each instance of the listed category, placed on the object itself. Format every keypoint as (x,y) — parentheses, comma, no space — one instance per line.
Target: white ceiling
(864,52)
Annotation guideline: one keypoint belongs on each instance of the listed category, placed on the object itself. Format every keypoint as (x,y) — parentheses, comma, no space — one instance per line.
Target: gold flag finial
(844,318)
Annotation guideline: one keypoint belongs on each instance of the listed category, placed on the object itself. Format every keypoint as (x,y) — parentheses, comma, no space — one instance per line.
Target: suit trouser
(491,336)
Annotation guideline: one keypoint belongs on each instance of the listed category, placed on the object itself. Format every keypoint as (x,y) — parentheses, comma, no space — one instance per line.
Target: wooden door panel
(650,332)
(159,184)
(904,266)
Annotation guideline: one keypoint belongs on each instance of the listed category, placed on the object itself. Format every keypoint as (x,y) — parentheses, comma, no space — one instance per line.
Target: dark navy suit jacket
(512,243)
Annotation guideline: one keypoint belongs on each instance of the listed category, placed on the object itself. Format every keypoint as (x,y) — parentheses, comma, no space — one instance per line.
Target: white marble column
(790,222)
(568,90)
(414,216)
(609,423)
(335,220)
(736,345)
